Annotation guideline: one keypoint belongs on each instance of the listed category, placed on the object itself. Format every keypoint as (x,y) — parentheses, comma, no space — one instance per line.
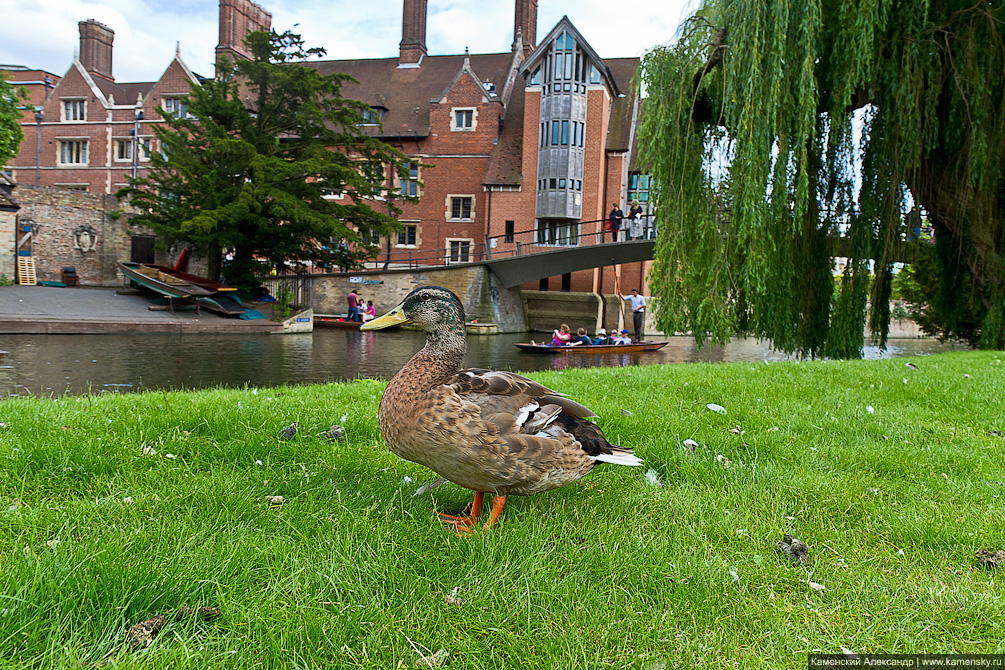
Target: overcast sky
(43,33)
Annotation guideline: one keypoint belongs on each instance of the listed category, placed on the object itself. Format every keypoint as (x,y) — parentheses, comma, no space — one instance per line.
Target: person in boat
(561,337)
(602,337)
(354,310)
(638,304)
(623,338)
(582,338)
(369,312)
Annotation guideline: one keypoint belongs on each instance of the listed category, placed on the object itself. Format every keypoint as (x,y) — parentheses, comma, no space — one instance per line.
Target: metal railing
(544,237)
(298,289)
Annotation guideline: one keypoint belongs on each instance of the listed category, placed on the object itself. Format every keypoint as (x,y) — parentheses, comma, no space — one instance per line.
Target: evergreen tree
(248,168)
(767,98)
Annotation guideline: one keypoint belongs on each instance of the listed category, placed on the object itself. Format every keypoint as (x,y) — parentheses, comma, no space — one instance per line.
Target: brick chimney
(238,18)
(413,33)
(96,48)
(525,22)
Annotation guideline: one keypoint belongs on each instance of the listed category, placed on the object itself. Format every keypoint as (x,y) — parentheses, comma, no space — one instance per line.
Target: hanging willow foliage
(781,135)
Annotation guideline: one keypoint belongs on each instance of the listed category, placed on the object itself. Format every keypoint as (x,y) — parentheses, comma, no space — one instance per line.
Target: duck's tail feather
(619,457)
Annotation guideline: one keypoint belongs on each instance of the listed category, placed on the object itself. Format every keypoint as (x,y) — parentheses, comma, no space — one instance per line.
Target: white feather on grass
(619,458)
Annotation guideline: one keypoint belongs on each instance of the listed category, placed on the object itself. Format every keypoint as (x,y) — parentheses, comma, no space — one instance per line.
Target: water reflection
(57,364)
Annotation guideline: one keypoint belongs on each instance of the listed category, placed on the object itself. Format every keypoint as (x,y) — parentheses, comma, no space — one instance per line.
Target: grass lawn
(116,508)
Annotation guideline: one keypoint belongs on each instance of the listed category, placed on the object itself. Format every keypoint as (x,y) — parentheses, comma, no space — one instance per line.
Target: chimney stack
(96,48)
(413,33)
(238,18)
(525,22)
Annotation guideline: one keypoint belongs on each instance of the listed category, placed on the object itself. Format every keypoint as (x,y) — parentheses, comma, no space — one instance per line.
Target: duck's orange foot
(464,525)
(459,525)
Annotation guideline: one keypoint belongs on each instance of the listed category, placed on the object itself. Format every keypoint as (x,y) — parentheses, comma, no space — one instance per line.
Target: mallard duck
(488,431)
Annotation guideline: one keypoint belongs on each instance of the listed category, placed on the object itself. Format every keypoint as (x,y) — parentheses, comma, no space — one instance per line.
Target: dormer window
(462,119)
(372,117)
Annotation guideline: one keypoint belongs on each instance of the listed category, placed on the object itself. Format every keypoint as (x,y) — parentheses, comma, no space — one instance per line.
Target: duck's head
(433,308)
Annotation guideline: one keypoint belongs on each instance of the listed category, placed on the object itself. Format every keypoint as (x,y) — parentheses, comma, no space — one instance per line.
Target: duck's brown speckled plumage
(489,431)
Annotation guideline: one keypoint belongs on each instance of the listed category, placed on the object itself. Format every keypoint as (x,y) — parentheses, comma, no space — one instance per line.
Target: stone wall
(484,298)
(87,231)
(8,252)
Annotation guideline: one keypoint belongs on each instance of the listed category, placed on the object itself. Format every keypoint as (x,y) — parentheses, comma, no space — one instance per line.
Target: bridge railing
(546,236)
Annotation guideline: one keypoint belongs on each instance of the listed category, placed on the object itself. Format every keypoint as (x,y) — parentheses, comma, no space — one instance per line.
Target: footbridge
(516,258)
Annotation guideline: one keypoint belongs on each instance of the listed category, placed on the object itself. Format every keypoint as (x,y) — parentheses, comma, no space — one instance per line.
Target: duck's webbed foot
(464,525)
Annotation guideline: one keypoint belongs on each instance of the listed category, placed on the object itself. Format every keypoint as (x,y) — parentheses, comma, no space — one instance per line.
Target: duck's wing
(530,417)
(500,391)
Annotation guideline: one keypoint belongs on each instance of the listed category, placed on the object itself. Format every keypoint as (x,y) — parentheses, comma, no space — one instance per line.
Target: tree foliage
(784,134)
(253,165)
(10,118)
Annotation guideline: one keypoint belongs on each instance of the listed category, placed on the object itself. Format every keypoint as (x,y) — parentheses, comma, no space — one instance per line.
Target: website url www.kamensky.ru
(906,661)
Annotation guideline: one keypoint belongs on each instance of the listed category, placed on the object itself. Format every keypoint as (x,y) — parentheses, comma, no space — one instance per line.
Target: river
(75,364)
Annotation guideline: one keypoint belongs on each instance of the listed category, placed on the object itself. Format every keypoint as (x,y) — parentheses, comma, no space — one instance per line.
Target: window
(594,74)
(123,150)
(556,129)
(331,194)
(463,119)
(370,117)
(410,186)
(460,208)
(565,133)
(510,232)
(559,233)
(535,78)
(374,173)
(407,236)
(73,152)
(460,251)
(176,107)
(74,110)
(638,188)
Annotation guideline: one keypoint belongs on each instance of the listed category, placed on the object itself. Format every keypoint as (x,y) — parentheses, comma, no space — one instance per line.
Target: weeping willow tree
(782,135)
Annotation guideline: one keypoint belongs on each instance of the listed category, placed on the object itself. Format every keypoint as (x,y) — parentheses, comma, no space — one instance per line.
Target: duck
(489,431)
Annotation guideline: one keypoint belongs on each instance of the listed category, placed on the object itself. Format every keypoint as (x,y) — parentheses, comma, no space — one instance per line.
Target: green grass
(611,572)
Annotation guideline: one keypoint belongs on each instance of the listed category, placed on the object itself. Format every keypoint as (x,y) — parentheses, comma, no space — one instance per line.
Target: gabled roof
(565,25)
(506,163)
(406,92)
(621,130)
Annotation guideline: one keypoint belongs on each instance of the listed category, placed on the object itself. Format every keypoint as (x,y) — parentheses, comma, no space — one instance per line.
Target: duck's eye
(424,296)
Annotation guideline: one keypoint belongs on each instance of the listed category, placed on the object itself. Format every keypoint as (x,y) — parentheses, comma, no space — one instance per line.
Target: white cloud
(43,33)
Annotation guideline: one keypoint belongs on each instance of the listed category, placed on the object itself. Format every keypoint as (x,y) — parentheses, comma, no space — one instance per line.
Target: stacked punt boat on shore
(177,285)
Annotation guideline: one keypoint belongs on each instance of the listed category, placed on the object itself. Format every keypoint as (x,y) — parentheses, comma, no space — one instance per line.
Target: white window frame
(450,206)
(401,182)
(454,126)
(65,103)
(61,141)
(180,105)
(407,224)
(452,240)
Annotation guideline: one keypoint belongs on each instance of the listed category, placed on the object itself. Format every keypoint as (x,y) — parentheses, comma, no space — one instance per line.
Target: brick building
(526,146)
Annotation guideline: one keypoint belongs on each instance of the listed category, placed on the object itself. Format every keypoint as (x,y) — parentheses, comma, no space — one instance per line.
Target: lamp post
(136,142)
(38,147)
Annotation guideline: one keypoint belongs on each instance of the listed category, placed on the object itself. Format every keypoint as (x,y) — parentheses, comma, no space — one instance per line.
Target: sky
(43,34)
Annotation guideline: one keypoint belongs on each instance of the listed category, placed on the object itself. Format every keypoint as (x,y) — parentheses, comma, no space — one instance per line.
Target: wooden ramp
(26,271)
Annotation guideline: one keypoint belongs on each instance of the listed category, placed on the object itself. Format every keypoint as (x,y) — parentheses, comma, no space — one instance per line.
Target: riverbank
(116,508)
(56,310)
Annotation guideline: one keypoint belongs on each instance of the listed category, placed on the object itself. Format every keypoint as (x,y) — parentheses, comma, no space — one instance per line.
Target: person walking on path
(638,303)
(614,221)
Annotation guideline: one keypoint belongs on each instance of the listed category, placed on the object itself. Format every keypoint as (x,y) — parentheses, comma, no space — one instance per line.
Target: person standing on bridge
(635,221)
(638,312)
(614,221)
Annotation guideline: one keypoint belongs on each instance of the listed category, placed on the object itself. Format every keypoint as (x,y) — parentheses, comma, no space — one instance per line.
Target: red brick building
(527,146)
(531,146)
(83,134)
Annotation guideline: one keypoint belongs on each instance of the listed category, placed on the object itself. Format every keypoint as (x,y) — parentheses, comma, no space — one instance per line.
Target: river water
(74,364)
